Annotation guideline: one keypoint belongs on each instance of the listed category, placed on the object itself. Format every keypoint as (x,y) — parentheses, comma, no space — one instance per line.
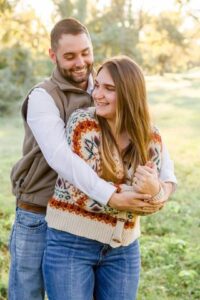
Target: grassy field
(170,241)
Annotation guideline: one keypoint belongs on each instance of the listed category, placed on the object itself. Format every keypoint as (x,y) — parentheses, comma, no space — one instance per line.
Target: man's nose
(79,61)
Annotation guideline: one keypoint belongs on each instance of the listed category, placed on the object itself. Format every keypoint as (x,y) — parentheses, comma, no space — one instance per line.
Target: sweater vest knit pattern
(72,211)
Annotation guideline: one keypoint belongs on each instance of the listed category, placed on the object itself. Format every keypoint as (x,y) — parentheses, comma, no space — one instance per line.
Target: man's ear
(52,55)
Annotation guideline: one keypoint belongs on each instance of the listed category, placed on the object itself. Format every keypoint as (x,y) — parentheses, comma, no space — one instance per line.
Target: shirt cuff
(174,184)
(102,191)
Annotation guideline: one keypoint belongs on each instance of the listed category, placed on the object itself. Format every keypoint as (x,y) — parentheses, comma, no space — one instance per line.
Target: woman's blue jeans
(76,268)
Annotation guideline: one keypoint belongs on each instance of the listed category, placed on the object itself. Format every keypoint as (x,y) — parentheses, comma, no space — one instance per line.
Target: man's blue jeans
(27,244)
(75,268)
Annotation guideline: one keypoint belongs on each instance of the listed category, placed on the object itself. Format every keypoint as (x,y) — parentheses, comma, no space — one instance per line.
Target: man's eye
(69,57)
(85,53)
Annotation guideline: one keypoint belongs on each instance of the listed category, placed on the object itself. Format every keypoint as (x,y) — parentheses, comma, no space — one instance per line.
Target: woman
(93,249)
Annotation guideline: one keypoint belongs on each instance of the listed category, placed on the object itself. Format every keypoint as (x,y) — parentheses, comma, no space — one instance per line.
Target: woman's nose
(97,93)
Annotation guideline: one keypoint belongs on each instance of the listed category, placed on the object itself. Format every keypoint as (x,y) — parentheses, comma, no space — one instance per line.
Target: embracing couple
(92,164)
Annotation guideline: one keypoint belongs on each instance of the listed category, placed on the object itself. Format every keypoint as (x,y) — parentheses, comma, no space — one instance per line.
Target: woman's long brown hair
(132,116)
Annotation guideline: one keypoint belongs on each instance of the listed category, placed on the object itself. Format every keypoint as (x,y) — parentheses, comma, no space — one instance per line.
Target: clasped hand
(146,180)
(138,197)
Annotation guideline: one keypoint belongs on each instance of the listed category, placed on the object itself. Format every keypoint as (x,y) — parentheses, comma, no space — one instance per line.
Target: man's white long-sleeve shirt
(48,128)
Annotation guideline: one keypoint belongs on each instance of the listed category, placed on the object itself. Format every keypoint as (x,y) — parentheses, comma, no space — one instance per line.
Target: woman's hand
(146,180)
(134,202)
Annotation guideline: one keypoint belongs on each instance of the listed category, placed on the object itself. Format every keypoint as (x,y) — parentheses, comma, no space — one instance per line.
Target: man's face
(74,58)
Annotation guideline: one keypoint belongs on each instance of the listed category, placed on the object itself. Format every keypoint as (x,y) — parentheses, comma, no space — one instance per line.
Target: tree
(71,8)
(24,40)
(63,8)
(16,76)
(114,31)
(162,44)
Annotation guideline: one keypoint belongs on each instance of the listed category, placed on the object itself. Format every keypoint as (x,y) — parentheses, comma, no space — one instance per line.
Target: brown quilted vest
(32,179)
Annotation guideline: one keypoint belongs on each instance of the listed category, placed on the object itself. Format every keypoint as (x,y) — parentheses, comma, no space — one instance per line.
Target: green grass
(10,148)
(170,241)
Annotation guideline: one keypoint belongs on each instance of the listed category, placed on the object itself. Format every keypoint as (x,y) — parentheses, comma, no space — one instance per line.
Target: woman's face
(104,95)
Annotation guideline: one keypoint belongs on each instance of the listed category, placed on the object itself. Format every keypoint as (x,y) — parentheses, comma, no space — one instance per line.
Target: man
(45,153)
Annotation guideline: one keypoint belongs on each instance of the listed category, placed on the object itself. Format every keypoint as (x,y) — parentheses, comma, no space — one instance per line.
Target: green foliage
(163,45)
(6,220)
(64,8)
(81,10)
(16,75)
(22,35)
(71,8)
(160,43)
(157,41)
(4,5)
(23,28)
(19,71)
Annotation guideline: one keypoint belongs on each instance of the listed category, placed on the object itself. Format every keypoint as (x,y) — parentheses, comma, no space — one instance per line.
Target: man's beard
(72,78)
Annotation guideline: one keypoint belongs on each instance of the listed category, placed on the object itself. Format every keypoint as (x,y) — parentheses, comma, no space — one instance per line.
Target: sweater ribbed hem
(84,227)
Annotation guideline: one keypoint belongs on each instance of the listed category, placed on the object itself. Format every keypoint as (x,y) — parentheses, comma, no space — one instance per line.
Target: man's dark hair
(66,26)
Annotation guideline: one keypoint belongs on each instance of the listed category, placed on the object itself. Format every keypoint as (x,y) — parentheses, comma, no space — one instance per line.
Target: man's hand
(134,202)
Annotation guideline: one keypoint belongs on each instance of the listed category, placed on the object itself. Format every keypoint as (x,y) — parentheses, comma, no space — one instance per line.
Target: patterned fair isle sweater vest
(72,211)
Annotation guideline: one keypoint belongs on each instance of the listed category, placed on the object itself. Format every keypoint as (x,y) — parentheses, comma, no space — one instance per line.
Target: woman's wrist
(160,195)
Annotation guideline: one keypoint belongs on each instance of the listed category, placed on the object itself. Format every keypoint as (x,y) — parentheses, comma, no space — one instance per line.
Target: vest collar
(62,83)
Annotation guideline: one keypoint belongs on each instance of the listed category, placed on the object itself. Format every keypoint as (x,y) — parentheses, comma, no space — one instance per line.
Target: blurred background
(164,38)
